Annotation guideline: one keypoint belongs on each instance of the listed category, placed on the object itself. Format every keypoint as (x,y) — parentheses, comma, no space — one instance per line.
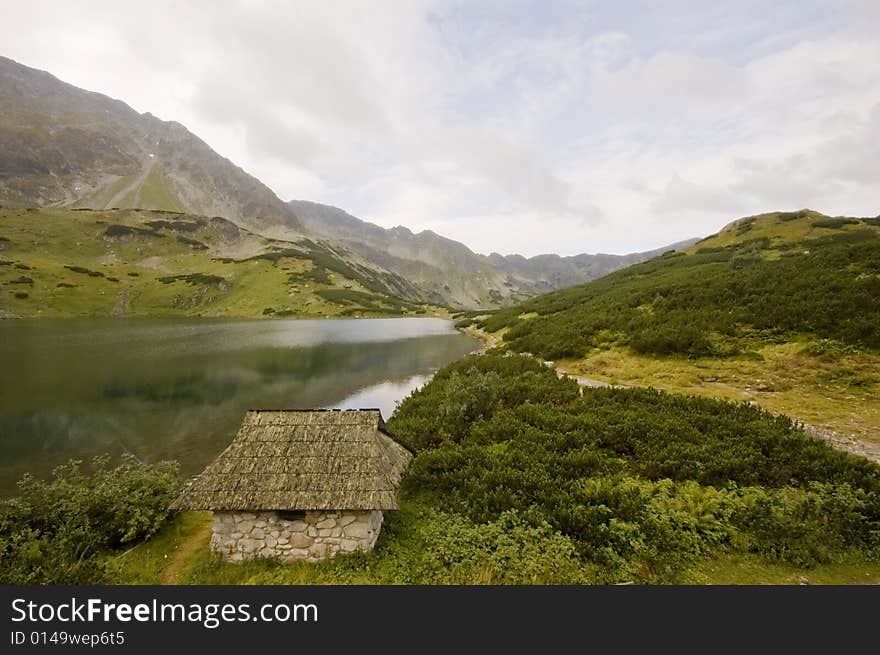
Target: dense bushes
(451,548)
(640,481)
(828,287)
(55,531)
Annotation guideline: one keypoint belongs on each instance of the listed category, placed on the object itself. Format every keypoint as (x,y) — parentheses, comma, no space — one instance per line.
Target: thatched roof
(303,460)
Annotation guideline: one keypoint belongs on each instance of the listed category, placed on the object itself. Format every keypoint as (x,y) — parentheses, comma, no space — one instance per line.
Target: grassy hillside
(57,262)
(782,308)
(770,276)
(518,478)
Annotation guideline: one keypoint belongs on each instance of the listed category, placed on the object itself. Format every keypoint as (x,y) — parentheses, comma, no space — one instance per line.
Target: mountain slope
(454,274)
(780,273)
(61,145)
(57,262)
(781,310)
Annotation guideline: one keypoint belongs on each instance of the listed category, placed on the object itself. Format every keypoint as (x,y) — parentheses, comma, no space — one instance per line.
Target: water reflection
(177,389)
(385,395)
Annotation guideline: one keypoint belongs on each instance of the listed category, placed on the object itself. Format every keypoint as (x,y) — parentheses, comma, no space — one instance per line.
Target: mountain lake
(178,388)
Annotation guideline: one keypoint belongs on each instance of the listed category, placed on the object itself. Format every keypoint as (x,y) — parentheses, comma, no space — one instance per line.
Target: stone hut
(300,484)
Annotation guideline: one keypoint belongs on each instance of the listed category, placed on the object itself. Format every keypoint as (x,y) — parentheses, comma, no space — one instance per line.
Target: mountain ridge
(460,276)
(770,275)
(61,145)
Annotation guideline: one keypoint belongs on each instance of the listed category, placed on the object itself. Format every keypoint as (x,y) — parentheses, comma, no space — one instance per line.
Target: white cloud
(516,127)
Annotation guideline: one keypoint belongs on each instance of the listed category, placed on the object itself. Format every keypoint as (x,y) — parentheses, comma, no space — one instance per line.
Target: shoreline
(488,341)
(10,316)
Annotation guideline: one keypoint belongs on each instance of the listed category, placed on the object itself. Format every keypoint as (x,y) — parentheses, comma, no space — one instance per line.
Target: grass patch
(148,562)
(156,192)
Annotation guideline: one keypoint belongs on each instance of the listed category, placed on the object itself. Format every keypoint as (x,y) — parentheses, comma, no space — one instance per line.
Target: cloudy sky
(512,126)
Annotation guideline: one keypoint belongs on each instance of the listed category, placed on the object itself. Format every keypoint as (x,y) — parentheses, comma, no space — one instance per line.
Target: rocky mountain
(64,147)
(449,271)
(61,145)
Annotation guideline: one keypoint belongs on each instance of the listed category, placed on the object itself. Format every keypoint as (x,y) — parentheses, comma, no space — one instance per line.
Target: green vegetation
(155,192)
(60,531)
(84,271)
(325,259)
(357,301)
(176,226)
(774,309)
(523,477)
(196,279)
(711,300)
(520,478)
(192,243)
(154,263)
(148,189)
(128,230)
(821,382)
(642,482)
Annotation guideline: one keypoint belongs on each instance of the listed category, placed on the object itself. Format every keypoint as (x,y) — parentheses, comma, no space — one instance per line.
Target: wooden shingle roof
(302,460)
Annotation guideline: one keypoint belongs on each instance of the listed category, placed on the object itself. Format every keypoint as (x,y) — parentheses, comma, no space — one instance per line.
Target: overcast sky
(512,126)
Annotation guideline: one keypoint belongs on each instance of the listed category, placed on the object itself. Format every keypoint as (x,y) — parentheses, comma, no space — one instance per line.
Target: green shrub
(194,279)
(641,481)
(54,531)
(835,223)
(826,287)
(508,550)
(808,526)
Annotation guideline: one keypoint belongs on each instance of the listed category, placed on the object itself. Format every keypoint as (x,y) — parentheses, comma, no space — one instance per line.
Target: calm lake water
(177,389)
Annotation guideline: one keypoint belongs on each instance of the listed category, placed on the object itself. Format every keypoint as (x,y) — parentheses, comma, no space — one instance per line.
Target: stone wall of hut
(315,536)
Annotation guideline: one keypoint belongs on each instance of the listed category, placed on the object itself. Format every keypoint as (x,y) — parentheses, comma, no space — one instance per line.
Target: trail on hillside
(116,200)
(184,553)
(839,441)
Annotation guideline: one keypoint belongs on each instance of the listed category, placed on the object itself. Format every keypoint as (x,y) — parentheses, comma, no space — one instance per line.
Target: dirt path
(848,444)
(185,552)
(585,382)
(117,199)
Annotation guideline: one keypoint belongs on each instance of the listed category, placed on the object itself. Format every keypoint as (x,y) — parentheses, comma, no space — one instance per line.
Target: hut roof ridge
(303,459)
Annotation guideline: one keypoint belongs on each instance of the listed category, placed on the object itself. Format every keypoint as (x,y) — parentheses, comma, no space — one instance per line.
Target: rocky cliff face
(61,145)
